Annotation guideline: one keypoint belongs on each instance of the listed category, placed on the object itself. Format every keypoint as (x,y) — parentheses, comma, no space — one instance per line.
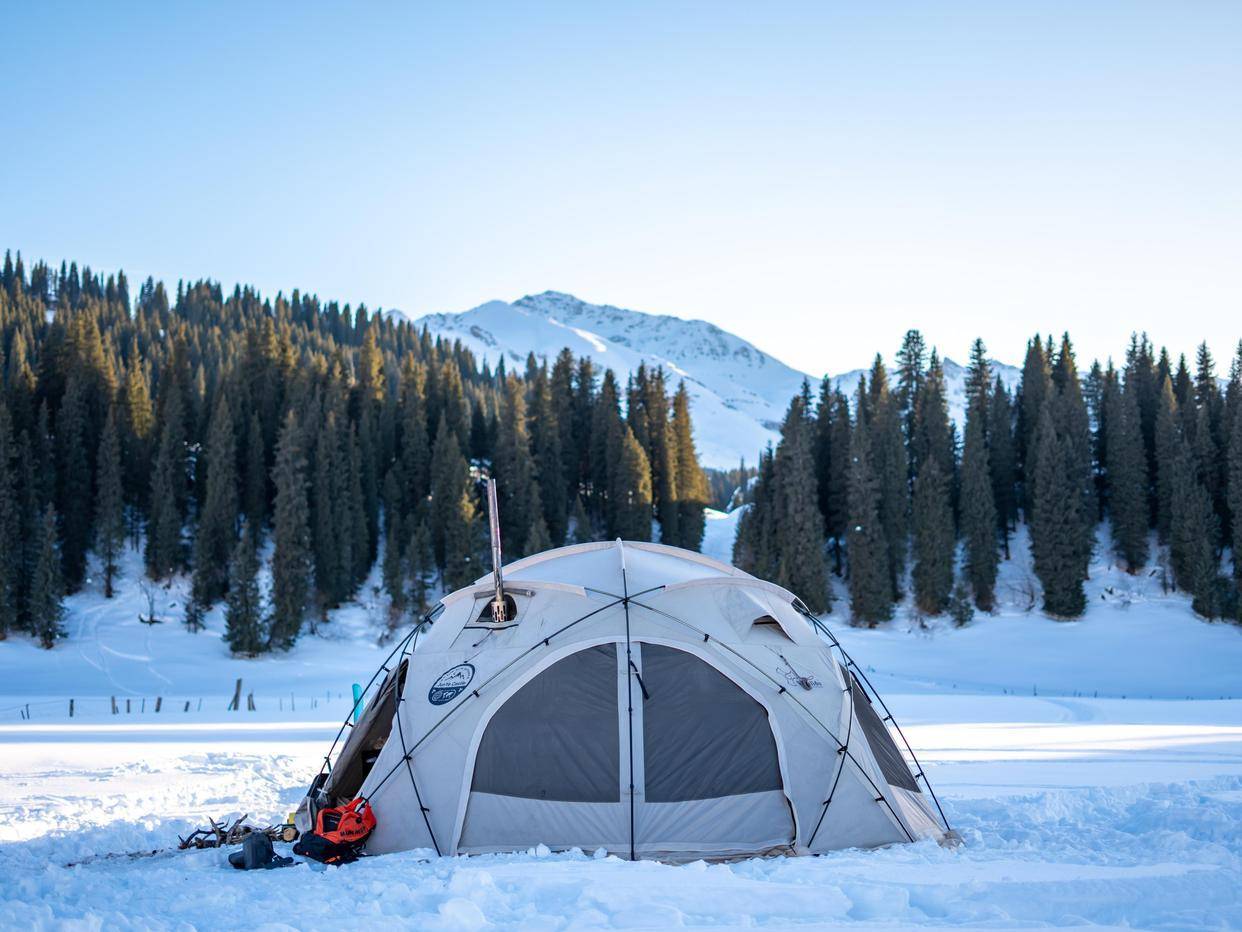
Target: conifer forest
(220,433)
(911,506)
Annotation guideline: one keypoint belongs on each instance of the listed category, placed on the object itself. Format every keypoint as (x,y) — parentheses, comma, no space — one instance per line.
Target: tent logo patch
(449,684)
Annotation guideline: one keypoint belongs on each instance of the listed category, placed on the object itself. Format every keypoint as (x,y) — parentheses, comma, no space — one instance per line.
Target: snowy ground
(1079,807)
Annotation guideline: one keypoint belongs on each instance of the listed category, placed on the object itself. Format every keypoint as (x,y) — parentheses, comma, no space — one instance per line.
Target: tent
(634,697)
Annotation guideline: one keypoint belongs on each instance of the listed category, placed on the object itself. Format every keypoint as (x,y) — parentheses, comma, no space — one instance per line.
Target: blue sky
(815,177)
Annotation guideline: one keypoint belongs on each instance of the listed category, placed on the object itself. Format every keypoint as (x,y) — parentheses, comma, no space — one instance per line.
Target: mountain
(738,392)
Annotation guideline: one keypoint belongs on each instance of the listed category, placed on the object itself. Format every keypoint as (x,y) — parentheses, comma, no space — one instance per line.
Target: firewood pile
(222,833)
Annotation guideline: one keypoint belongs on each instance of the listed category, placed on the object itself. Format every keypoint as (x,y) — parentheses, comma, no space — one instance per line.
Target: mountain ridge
(739,393)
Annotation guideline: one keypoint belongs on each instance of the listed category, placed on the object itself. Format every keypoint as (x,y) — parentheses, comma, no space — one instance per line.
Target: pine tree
(46,587)
(392,570)
(1074,426)
(800,564)
(361,556)
(979,523)
(517,488)
(73,472)
(871,592)
(30,504)
(109,502)
(138,438)
(1034,390)
(691,485)
(10,527)
(255,496)
(1235,488)
(1168,441)
(836,504)
(164,549)
(453,515)
(415,456)
(419,564)
(581,531)
(604,437)
(933,434)
(754,547)
(933,539)
(1001,461)
(243,615)
(888,454)
(1057,522)
(537,539)
(1192,528)
(978,380)
(545,442)
(291,561)
(629,490)
(1126,469)
(217,525)
(461,537)
(910,377)
(1097,387)
(960,608)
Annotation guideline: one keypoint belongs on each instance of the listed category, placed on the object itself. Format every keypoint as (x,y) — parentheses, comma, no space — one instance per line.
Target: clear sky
(815,177)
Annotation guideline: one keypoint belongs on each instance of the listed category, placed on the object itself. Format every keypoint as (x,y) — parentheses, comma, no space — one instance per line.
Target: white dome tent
(638,698)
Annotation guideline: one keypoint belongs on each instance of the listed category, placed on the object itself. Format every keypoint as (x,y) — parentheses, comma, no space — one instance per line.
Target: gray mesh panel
(703,737)
(892,764)
(557,737)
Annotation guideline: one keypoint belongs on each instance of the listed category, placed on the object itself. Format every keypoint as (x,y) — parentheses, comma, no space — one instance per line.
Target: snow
(1078,807)
(738,393)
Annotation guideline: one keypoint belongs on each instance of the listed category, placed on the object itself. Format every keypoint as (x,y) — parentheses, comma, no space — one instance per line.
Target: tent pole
(629,685)
(849,661)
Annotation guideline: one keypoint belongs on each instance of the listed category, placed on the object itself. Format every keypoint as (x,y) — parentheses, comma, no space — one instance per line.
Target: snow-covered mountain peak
(737,391)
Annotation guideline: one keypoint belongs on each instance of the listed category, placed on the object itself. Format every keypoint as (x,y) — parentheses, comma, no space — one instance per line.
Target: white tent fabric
(646,700)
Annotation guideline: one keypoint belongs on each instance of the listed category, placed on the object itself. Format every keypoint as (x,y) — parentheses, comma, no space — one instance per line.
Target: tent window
(768,623)
(703,737)
(557,737)
(892,764)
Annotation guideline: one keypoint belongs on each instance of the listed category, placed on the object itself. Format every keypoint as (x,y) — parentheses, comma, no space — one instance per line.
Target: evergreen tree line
(210,429)
(1152,448)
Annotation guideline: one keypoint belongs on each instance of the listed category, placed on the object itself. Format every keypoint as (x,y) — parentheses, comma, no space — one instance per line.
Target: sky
(817,178)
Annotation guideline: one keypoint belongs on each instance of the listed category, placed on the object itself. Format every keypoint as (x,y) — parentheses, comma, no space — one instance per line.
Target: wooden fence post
(236,703)
(159,701)
(71,708)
